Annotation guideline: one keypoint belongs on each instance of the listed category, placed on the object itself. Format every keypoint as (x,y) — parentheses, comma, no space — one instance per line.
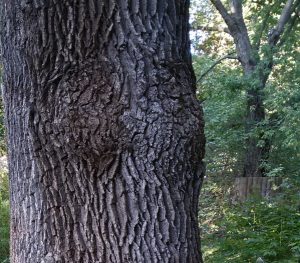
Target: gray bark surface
(105,134)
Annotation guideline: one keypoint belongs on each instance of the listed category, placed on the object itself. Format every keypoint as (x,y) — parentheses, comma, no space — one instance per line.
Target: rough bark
(105,134)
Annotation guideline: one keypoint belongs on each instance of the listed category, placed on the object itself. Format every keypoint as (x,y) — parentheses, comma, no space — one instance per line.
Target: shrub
(260,227)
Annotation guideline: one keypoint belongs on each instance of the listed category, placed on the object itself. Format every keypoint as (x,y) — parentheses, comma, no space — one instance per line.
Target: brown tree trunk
(254,153)
(245,187)
(105,134)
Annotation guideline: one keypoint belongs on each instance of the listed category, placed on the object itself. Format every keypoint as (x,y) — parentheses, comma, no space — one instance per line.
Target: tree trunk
(256,153)
(256,77)
(105,134)
(255,115)
(245,187)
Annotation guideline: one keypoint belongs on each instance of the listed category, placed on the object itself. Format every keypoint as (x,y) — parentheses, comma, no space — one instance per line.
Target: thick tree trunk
(105,134)
(254,152)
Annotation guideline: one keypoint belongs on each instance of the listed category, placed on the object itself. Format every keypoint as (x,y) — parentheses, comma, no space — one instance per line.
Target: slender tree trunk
(105,134)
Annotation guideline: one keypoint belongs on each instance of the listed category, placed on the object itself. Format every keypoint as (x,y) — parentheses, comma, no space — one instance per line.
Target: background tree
(241,232)
(105,135)
(259,37)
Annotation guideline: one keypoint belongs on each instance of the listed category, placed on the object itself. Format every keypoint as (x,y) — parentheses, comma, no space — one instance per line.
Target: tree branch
(257,40)
(236,8)
(211,28)
(288,31)
(239,32)
(228,56)
(222,10)
(276,32)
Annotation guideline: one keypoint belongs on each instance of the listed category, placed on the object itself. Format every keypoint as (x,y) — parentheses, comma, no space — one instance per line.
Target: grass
(4,218)
(4,230)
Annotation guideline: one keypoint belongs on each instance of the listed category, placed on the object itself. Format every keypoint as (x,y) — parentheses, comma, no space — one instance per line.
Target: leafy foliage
(223,102)
(4,217)
(243,232)
(224,90)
